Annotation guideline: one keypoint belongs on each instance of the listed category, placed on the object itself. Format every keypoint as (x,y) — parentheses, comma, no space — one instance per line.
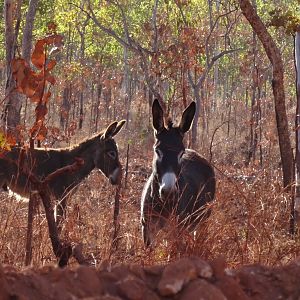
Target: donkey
(182,181)
(99,151)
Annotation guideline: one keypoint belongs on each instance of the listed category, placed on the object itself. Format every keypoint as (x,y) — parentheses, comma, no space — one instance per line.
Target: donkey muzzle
(168,185)
(115,176)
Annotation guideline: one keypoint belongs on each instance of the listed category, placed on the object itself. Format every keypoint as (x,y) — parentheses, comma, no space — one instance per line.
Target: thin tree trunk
(82,55)
(274,56)
(27,33)
(295,207)
(253,123)
(26,51)
(99,92)
(13,105)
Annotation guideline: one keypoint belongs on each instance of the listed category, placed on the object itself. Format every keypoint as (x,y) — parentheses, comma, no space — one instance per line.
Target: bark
(295,208)
(274,56)
(127,86)
(65,108)
(14,101)
(13,104)
(9,35)
(97,112)
(27,34)
(81,32)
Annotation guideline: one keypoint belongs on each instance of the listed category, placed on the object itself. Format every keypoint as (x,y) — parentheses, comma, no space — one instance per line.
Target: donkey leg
(146,232)
(150,227)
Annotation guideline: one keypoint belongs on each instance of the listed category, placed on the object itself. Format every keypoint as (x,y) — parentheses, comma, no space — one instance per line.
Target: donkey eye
(112,154)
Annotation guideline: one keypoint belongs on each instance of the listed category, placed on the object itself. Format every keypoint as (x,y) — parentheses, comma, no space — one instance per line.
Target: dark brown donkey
(99,151)
(182,181)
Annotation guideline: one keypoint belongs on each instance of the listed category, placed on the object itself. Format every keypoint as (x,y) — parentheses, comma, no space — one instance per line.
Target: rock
(4,290)
(230,287)
(203,268)
(138,271)
(260,284)
(154,270)
(175,276)
(186,279)
(133,289)
(86,279)
(218,266)
(200,289)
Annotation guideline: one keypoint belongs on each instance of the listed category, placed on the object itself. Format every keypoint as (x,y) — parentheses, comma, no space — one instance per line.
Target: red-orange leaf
(41,111)
(51,64)
(19,67)
(46,97)
(50,78)
(38,95)
(38,56)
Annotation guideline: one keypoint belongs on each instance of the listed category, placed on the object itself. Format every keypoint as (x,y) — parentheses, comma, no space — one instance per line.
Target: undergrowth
(249,221)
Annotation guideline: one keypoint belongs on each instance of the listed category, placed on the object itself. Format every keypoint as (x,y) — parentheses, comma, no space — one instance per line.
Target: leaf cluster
(35,82)
(286,19)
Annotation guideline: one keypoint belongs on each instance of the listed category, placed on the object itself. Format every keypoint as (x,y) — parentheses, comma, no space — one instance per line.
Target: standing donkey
(99,151)
(182,181)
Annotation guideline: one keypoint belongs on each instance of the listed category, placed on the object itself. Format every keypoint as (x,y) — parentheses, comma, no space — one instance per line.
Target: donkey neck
(87,151)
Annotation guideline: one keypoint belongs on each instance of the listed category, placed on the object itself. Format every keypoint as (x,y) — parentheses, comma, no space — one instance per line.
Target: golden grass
(249,222)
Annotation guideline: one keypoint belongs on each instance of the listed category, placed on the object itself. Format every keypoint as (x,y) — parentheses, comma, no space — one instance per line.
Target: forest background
(116,57)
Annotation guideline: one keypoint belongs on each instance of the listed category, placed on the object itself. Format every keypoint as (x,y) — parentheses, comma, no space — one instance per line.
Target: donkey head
(169,148)
(107,158)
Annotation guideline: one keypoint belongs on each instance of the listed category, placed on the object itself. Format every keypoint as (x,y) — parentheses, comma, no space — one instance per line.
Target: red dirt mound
(184,279)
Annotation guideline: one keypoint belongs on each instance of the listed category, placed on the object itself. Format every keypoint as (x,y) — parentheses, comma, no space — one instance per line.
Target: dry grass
(249,221)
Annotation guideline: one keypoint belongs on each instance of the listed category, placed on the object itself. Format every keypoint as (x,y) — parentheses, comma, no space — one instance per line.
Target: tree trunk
(13,105)
(274,56)
(65,107)
(27,34)
(82,55)
(295,208)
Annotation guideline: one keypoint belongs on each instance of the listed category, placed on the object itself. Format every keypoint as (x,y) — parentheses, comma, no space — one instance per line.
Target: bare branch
(209,67)
(212,139)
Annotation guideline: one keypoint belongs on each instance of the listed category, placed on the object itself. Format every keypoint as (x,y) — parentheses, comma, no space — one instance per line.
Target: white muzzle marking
(168,183)
(113,177)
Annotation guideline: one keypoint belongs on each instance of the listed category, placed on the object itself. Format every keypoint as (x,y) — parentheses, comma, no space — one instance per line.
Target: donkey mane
(85,143)
(79,146)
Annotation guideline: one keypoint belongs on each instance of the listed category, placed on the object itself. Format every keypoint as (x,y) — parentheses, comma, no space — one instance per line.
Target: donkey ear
(187,117)
(158,116)
(109,131)
(118,127)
